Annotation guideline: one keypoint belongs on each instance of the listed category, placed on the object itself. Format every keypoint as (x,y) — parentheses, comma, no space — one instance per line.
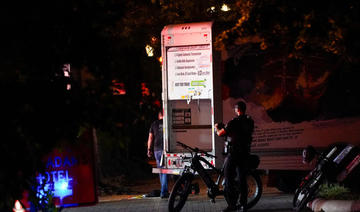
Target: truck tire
(180,192)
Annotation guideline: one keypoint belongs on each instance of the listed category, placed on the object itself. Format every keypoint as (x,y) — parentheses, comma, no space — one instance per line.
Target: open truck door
(187,92)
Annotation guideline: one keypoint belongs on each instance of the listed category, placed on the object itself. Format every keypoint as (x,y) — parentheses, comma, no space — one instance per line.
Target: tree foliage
(299,27)
(313,42)
(38,111)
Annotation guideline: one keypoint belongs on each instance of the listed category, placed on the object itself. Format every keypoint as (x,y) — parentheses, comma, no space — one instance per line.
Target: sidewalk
(319,204)
(140,188)
(267,203)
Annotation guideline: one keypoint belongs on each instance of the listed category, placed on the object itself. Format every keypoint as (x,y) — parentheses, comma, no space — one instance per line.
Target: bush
(338,192)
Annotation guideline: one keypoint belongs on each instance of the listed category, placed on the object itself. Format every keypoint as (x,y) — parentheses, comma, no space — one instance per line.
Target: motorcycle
(337,164)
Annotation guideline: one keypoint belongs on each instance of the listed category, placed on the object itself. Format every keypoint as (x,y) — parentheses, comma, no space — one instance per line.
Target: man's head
(160,114)
(308,154)
(240,108)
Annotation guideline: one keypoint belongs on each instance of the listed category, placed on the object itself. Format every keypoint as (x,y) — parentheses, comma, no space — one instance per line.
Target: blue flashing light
(57,182)
(63,186)
(61,189)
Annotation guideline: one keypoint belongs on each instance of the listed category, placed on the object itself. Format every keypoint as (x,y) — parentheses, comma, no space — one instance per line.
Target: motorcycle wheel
(180,193)
(307,192)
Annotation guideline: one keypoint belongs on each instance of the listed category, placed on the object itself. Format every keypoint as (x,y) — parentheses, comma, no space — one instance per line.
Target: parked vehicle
(338,164)
(201,85)
(198,164)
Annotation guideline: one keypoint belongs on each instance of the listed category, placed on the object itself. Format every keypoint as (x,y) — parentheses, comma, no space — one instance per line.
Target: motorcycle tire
(180,192)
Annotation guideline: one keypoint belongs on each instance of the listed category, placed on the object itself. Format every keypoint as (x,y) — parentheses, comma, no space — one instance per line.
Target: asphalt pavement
(267,203)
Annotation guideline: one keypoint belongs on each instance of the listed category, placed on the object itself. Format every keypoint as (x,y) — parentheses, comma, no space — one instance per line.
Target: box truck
(193,77)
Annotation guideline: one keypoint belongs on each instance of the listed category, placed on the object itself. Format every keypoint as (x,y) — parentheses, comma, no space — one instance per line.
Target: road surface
(267,203)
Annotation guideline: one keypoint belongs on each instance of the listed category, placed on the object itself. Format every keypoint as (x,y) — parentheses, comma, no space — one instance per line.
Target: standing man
(155,144)
(239,132)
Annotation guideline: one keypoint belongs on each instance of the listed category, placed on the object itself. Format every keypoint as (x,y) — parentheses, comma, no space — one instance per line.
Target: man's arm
(149,145)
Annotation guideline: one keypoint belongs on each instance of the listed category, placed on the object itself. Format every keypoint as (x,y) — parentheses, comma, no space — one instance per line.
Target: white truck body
(280,144)
(191,86)
(187,92)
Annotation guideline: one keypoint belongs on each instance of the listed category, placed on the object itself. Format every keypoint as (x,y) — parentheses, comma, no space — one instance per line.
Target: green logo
(198,83)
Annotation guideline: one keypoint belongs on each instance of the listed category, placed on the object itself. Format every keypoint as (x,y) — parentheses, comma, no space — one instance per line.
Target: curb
(319,204)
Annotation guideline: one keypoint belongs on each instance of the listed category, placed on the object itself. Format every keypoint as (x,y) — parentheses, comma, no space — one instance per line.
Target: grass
(337,192)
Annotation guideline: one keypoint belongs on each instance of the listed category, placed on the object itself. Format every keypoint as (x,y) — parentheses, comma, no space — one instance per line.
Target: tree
(315,43)
(312,42)
(38,111)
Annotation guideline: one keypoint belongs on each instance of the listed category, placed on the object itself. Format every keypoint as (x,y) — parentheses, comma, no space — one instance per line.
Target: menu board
(189,71)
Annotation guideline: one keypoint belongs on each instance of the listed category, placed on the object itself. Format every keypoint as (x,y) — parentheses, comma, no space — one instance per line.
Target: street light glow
(149,50)
(225,8)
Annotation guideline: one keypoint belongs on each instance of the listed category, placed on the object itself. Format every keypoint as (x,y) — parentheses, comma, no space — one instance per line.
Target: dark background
(104,41)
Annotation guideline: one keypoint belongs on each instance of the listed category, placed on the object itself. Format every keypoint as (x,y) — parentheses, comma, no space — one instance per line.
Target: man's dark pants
(235,169)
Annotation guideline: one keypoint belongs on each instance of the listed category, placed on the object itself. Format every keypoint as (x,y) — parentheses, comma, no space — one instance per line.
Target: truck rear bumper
(167,171)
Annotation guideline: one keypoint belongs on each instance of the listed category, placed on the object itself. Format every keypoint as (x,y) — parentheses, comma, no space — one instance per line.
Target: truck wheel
(180,192)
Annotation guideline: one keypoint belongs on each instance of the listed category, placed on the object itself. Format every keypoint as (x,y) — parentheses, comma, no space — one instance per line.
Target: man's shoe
(241,208)
(165,196)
